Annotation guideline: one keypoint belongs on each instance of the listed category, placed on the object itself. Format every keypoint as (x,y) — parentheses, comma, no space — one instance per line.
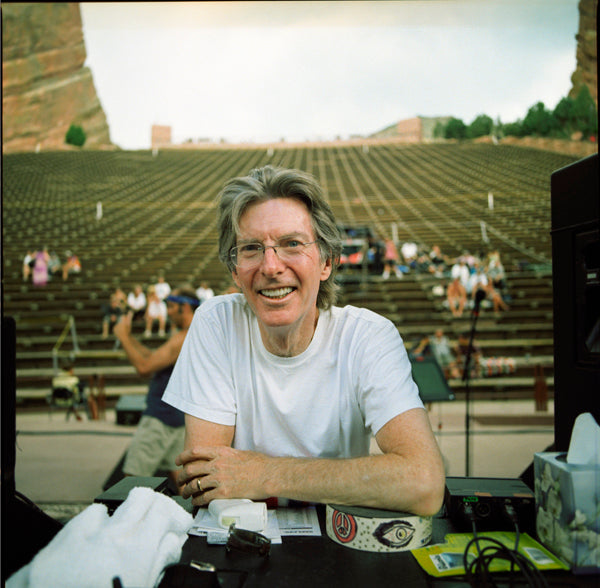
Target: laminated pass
(369,529)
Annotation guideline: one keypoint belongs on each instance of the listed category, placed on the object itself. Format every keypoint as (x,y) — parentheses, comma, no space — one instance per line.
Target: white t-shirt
(352,379)
(162,289)
(136,301)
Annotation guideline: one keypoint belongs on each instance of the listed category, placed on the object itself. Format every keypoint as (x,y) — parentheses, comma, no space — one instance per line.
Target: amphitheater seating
(159,216)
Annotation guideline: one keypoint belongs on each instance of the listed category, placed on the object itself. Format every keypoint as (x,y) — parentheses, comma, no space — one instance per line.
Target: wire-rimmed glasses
(250,255)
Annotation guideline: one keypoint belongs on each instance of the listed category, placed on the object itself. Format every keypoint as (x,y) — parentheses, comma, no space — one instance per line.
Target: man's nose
(271,261)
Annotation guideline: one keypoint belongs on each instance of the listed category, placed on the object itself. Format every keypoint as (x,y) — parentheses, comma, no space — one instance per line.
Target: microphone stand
(479,296)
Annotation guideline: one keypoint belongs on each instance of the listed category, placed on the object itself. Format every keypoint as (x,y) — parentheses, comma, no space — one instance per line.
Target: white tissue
(584,448)
(145,533)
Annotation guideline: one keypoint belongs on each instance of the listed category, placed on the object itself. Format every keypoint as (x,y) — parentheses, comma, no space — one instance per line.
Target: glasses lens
(252,254)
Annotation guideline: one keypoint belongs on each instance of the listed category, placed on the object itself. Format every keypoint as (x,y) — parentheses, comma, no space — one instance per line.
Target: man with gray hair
(282,390)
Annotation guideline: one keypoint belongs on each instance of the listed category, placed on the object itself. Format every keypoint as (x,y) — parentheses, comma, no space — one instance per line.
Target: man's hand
(221,472)
(408,476)
(123,326)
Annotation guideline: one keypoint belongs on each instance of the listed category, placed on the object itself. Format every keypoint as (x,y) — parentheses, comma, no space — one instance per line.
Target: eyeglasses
(247,541)
(252,254)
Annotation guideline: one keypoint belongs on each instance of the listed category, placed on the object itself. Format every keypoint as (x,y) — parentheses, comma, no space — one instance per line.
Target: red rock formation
(586,72)
(45,86)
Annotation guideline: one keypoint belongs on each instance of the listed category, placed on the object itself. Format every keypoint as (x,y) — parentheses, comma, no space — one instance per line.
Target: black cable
(477,571)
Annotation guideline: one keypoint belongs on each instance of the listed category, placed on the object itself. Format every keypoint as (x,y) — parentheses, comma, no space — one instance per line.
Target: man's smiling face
(282,294)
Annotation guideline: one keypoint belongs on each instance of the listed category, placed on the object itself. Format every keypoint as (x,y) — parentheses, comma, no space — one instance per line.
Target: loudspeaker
(430,380)
(25,527)
(576,288)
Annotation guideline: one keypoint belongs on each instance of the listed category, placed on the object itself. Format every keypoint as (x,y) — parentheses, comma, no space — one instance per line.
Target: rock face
(46,87)
(586,72)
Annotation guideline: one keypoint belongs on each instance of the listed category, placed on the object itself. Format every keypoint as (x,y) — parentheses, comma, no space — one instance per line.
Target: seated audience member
(495,297)
(439,346)
(71,266)
(437,261)
(375,254)
(470,259)
(460,270)
(409,253)
(204,292)
(282,390)
(477,281)
(162,288)
(54,265)
(461,351)
(495,271)
(155,311)
(40,267)
(67,380)
(113,310)
(422,262)
(28,263)
(159,436)
(136,303)
(456,295)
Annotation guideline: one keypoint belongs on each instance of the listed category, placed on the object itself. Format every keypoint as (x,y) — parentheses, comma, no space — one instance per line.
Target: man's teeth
(278,293)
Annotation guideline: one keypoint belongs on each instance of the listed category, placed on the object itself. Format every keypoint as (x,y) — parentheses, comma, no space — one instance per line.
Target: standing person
(282,390)
(159,436)
(390,260)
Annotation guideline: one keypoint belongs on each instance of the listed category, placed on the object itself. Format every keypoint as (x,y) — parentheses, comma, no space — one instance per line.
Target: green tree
(578,114)
(439,130)
(481,126)
(513,129)
(563,114)
(585,113)
(455,129)
(539,121)
(75,136)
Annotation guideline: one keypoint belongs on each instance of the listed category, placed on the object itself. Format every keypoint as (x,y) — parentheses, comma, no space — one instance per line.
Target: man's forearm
(382,481)
(136,352)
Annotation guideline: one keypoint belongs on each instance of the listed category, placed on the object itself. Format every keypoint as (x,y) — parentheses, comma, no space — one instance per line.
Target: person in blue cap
(160,434)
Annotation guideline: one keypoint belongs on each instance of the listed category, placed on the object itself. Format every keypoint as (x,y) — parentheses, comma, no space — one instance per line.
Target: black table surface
(319,561)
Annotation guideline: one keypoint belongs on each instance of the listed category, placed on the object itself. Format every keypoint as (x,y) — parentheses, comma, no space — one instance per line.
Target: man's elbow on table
(429,491)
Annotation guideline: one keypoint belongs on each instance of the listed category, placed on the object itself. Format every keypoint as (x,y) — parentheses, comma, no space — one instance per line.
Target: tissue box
(567,498)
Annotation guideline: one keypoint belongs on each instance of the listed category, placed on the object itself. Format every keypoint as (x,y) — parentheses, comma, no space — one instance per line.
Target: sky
(256,71)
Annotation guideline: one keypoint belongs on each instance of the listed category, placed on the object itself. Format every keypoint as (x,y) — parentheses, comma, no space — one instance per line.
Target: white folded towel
(144,534)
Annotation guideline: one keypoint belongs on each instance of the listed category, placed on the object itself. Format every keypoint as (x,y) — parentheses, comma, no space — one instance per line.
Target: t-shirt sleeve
(384,373)
(201,384)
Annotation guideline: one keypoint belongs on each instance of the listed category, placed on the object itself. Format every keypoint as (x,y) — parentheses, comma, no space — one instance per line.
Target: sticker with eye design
(394,534)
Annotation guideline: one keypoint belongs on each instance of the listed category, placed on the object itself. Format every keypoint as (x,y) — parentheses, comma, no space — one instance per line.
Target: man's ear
(326,269)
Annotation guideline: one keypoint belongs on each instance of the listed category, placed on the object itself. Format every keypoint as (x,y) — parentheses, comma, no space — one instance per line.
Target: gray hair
(270,182)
